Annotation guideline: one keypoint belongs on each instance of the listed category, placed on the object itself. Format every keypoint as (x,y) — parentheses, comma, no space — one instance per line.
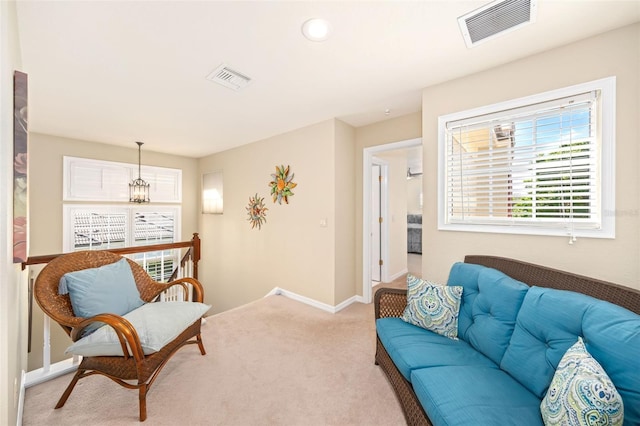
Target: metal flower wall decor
(282,184)
(256,211)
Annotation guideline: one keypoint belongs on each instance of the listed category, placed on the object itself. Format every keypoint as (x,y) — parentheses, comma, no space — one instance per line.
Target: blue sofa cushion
(474,395)
(581,393)
(491,300)
(550,321)
(612,336)
(411,347)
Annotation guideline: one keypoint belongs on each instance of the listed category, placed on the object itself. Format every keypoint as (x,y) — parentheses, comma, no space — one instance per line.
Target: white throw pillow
(156,324)
(581,393)
(432,306)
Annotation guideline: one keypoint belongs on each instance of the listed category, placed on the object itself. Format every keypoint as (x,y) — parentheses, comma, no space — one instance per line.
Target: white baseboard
(398,275)
(21,398)
(38,376)
(277,291)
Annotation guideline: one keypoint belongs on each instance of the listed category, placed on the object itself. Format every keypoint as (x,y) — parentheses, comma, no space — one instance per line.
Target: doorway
(371,231)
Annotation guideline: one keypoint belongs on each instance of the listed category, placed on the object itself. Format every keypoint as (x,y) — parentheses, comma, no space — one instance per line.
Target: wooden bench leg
(69,389)
(142,395)
(200,345)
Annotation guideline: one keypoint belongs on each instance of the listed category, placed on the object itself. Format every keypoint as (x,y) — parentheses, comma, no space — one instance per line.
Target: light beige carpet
(272,362)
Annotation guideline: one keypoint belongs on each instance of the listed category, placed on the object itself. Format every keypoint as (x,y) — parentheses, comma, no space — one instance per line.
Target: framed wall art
(20,139)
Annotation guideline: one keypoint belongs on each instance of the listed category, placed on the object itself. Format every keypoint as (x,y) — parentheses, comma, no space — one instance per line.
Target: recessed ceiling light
(316,29)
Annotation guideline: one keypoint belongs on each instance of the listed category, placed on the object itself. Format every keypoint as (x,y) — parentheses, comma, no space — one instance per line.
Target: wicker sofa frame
(134,370)
(390,302)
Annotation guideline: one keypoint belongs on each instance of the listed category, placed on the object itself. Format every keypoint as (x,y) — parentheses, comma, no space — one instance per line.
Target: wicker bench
(391,303)
(134,369)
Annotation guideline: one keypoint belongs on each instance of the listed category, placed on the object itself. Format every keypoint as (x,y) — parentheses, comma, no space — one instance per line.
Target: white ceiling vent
(229,78)
(496,18)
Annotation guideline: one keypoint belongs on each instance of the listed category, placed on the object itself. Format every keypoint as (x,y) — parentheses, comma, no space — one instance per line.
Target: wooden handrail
(194,254)
(193,243)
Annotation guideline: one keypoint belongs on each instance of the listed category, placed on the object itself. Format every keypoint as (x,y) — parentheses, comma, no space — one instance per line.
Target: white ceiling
(121,71)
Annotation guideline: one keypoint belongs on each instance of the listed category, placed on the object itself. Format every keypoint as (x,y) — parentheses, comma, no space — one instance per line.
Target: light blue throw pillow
(107,289)
(581,393)
(432,306)
(156,324)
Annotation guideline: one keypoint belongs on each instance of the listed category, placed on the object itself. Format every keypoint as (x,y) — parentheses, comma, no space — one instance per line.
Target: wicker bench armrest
(389,302)
(198,290)
(127,334)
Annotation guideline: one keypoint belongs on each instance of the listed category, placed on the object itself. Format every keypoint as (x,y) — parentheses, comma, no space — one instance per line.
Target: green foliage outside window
(565,196)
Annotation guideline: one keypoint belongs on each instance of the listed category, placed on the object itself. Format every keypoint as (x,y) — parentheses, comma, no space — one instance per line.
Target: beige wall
(616,53)
(292,250)
(344,212)
(13,295)
(46,154)
(397,129)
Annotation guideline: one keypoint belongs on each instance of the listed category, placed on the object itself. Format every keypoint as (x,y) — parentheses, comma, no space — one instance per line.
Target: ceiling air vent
(229,78)
(496,18)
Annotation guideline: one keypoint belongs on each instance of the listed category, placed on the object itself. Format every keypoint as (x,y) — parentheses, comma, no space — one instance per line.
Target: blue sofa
(513,329)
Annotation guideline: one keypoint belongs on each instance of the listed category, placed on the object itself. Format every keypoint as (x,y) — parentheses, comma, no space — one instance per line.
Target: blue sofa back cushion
(550,322)
(490,304)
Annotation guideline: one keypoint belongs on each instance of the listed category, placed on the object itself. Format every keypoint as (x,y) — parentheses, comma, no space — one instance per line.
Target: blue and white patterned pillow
(433,306)
(581,393)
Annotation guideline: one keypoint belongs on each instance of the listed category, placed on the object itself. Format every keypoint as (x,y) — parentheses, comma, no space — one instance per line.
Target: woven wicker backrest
(542,276)
(58,307)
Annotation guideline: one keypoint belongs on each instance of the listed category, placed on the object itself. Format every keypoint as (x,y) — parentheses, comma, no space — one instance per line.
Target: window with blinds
(103,227)
(539,165)
(116,223)
(88,180)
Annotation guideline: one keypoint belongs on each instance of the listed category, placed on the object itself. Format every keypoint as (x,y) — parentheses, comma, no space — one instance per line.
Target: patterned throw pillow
(581,393)
(433,306)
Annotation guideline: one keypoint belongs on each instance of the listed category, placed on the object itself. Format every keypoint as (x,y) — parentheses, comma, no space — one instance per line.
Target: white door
(376,249)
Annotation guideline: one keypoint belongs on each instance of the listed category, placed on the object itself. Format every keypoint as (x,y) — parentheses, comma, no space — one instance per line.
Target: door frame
(384,213)
(368,155)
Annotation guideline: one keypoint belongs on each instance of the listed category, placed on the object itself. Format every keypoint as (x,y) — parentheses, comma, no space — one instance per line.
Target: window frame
(606,149)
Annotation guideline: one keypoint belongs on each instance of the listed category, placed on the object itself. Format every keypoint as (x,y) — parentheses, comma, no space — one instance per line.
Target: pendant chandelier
(138,188)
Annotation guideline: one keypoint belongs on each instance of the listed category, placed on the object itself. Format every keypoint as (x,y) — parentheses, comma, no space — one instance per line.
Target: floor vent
(496,18)
(229,78)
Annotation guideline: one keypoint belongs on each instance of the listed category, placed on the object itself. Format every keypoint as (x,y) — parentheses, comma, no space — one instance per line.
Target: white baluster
(46,346)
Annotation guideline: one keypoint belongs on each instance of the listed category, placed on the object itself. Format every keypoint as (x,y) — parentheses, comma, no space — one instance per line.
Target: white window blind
(107,181)
(99,230)
(102,227)
(153,227)
(534,168)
